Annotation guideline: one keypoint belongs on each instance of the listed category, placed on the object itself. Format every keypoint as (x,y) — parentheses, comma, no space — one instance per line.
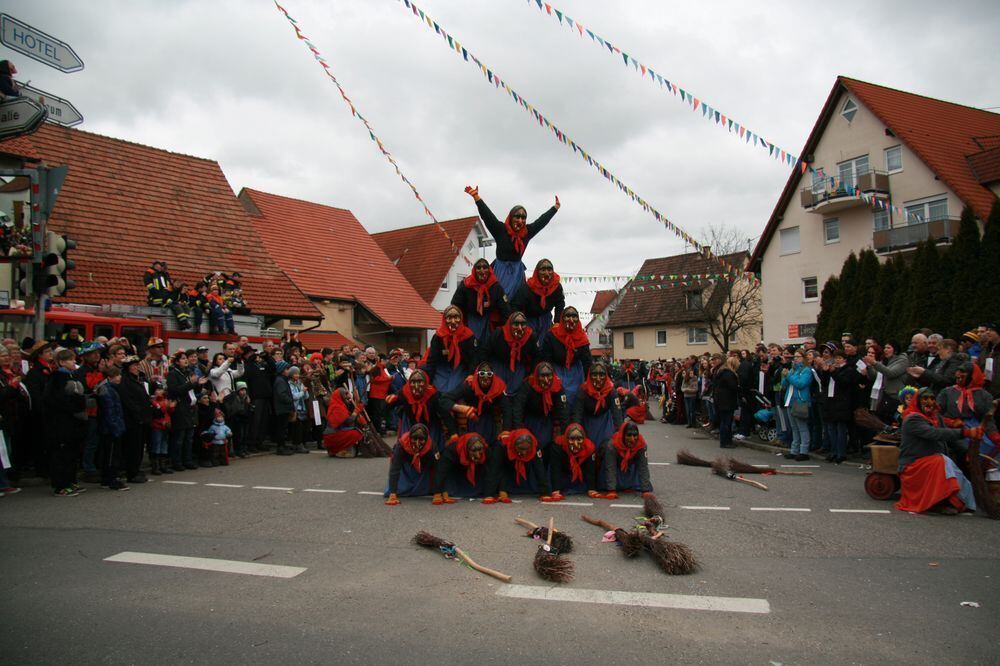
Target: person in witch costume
(511,351)
(567,348)
(929,479)
(629,378)
(634,404)
(966,404)
(541,299)
(482,399)
(468,467)
(540,406)
(412,465)
(598,408)
(523,469)
(453,352)
(420,402)
(574,463)
(626,467)
(482,300)
(342,430)
(512,237)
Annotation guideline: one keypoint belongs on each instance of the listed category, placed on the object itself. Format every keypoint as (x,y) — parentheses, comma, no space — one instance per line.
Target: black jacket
(497,351)
(63,400)
(259,377)
(469,350)
(725,390)
(528,402)
(586,407)
(530,303)
(283,403)
(840,407)
(505,246)
(136,405)
(554,352)
(179,384)
(496,301)
(498,409)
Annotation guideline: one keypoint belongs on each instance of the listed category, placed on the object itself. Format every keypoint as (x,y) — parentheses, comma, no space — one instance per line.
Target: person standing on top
(512,237)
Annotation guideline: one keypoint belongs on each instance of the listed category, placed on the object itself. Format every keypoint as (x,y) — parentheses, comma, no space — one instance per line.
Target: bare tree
(729,308)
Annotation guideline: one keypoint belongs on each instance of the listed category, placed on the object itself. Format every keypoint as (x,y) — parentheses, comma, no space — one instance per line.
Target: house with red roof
(426,257)
(881,169)
(128,204)
(331,258)
(603,307)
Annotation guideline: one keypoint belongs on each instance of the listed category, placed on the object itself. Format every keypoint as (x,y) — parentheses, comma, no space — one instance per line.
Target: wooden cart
(883,481)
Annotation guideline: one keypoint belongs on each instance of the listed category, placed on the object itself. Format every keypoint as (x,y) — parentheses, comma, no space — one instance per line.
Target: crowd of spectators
(215,298)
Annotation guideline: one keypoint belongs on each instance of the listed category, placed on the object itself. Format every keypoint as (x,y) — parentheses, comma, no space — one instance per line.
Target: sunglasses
(485,373)
(519,216)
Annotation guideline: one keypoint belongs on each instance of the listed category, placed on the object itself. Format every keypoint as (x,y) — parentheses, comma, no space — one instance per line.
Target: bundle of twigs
(675,559)
(630,542)
(451,552)
(685,457)
(653,511)
(371,444)
(721,467)
(560,540)
(745,468)
(549,565)
(977,477)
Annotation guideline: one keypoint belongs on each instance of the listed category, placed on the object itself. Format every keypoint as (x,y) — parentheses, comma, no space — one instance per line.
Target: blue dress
(510,275)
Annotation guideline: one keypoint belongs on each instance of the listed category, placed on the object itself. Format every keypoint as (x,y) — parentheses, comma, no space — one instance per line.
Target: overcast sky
(229,81)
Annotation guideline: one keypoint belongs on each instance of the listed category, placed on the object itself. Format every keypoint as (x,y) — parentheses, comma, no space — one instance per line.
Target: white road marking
(645,599)
(370,492)
(207,564)
(626,506)
(860,511)
(572,503)
(706,508)
(321,490)
(814,466)
(652,463)
(183,483)
(224,485)
(777,508)
(271,488)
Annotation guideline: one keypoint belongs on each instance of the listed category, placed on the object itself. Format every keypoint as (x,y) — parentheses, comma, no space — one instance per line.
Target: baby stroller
(763,415)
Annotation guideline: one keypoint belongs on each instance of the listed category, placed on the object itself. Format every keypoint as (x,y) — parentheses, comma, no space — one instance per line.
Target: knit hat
(240,385)
(972,336)
(294,371)
(280,366)
(832,346)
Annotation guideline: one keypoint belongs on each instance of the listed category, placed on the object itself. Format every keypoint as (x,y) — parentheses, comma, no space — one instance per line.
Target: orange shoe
(488,500)
(393,500)
(447,499)
(593,494)
(610,495)
(438,500)
(648,495)
(547,498)
(558,496)
(504,498)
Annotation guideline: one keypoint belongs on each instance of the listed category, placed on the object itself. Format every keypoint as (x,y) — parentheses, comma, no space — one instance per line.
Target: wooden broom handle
(598,523)
(526,523)
(781,471)
(481,569)
(552,528)
(756,484)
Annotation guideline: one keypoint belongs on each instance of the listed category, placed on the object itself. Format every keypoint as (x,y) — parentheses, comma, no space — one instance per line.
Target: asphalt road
(837,587)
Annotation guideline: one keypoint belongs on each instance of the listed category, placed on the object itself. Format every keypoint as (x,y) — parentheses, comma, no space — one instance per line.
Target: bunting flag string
(455,247)
(694,102)
(498,83)
(584,279)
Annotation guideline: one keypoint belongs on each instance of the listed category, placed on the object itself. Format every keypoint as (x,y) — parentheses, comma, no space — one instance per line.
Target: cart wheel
(881,486)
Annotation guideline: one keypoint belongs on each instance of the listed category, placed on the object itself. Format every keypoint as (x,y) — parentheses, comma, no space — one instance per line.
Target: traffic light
(56,265)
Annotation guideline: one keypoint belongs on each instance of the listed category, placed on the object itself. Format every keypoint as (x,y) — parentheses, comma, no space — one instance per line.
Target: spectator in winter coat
(182,388)
(725,393)
(159,443)
(259,375)
(940,374)
(796,386)
(65,414)
(111,428)
(284,407)
(892,370)
(218,436)
(838,381)
(138,417)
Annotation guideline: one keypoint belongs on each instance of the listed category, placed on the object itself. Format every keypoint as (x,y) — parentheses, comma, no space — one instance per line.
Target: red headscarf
(515,344)
(599,395)
(914,408)
(497,387)
(521,472)
(451,341)
(462,448)
(516,237)
(482,289)
(542,290)
(965,393)
(554,387)
(637,412)
(571,340)
(419,405)
(404,443)
(576,459)
(625,453)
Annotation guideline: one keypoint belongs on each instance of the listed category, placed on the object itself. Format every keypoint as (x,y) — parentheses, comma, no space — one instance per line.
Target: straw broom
(549,565)
(721,467)
(744,468)
(980,490)
(631,544)
(451,551)
(672,557)
(560,540)
(685,457)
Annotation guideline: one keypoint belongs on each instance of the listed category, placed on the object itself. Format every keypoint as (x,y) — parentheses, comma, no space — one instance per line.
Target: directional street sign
(61,112)
(20,115)
(36,44)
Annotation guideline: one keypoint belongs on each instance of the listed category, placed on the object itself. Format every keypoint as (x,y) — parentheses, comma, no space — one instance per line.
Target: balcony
(940,229)
(837,196)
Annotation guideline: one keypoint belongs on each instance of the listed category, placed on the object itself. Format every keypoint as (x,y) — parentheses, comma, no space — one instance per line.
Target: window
(881,219)
(294,322)
(444,283)
(810,289)
(693,300)
(628,340)
(734,338)
(603,338)
(894,159)
(831,231)
(849,110)
(851,169)
(925,211)
(697,336)
(789,240)
(661,338)
(818,181)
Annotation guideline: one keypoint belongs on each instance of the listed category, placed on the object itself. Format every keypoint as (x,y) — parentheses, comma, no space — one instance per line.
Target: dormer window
(850,110)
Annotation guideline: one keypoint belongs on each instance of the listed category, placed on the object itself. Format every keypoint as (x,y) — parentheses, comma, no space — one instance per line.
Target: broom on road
(721,467)
(630,542)
(560,540)
(744,468)
(685,457)
(451,551)
(673,558)
(548,564)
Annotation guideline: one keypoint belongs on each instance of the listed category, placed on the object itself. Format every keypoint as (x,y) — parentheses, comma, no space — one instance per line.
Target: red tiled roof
(127,204)
(328,254)
(422,253)
(20,146)
(667,305)
(316,340)
(942,134)
(602,299)
(985,165)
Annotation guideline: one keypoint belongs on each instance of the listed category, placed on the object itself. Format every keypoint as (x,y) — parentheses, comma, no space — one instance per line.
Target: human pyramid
(508,402)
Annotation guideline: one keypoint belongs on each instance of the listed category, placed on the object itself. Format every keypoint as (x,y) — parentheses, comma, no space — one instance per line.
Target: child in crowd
(239,419)
(206,414)
(218,437)
(111,428)
(159,440)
